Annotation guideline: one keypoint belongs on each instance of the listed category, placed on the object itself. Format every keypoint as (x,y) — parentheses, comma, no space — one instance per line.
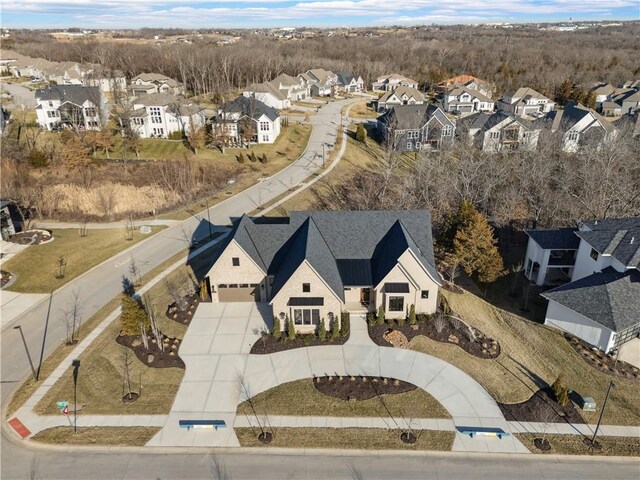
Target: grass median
(121,436)
(574,445)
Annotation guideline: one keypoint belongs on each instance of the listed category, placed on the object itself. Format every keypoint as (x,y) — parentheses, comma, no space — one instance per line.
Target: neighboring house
(246,120)
(387,83)
(603,93)
(321,82)
(416,127)
(349,83)
(65,73)
(466,81)
(400,96)
(465,100)
(601,303)
(108,81)
(629,101)
(294,87)
(580,126)
(268,94)
(157,115)
(23,66)
(525,101)
(71,106)
(9,223)
(631,84)
(610,109)
(148,83)
(315,265)
(495,132)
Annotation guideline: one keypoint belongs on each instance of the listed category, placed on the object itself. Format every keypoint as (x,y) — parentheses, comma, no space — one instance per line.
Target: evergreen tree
(476,249)
(560,391)
(380,315)
(276,331)
(361,133)
(132,316)
(335,329)
(291,329)
(412,315)
(563,94)
(456,222)
(322,331)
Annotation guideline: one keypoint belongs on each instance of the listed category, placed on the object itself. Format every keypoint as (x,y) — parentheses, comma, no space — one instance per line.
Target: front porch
(359,299)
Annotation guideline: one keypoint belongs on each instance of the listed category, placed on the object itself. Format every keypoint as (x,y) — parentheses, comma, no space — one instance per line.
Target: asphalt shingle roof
(76,94)
(618,237)
(414,117)
(558,239)
(250,106)
(609,298)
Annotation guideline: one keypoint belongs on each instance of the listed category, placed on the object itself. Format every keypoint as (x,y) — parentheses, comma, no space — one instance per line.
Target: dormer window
(594,254)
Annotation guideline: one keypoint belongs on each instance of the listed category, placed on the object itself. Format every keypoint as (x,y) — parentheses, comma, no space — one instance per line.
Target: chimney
(632,239)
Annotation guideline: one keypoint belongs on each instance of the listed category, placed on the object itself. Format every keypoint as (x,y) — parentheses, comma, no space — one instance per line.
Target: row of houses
(615,101)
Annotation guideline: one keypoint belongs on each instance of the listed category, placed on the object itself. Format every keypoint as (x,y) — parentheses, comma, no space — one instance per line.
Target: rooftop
(558,239)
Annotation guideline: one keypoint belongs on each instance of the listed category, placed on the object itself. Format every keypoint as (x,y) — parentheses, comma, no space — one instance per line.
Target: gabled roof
(320,75)
(572,114)
(558,239)
(609,298)
(250,106)
(413,117)
(395,76)
(266,87)
(345,78)
(618,237)
(603,89)
(459,91)
(76,94)
(156,78)
(286,80)
(483,121)
(400,92)
(522,93)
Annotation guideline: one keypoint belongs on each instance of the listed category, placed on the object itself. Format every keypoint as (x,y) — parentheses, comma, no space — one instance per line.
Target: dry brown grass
(532,356)
(122,436)
(573,445)
(348,438)
(361,110)
(302,398)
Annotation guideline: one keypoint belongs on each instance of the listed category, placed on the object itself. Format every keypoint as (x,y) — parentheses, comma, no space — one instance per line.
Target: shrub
(345,321)
(276,331)
(401,320)
(371,318)
(132,316)
(252,157)
(37,159)
(335,329)
(322,331)
(380,318)
(412,315)
(176,135)
(263,158)
(361,133)
(560,391)
(240,158)
(291,329)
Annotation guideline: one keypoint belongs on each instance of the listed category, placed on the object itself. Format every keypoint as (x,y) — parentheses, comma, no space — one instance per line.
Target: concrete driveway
(219,369)
(630,352)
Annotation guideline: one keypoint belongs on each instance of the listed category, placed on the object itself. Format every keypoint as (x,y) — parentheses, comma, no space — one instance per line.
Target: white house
(158,115)
(400,96)
(315,265)
(147,83)
(499,131)
(349,83)
(71,106)
(268,94)
(387,83)
(601,303)
(294,87)
(109,81)
(580,126)
(465,100)
(246,120)
(525,101)
(320,82)
(465,81)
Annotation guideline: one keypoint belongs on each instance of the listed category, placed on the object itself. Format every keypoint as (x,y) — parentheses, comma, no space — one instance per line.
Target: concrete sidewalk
(14,304)
(102,226)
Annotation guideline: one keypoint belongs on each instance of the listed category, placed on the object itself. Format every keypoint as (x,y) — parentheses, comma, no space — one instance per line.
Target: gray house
(412,128)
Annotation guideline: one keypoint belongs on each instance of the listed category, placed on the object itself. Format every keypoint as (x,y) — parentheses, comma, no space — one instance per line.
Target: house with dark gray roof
(579,126)
(601,302)
(158,115)
(71,106)
(412,128)
(245,120)
(349,83)
(499,131)
(315,265)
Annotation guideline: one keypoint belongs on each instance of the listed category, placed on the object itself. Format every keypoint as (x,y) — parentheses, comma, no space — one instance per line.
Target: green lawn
(37,266)
(302,398)
(348,438)
(121,436)
(532,356)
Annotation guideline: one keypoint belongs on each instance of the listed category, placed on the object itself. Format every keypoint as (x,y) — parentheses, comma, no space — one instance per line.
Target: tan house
(315,265)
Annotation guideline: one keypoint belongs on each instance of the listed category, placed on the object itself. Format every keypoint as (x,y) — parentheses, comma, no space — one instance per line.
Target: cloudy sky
(269,13)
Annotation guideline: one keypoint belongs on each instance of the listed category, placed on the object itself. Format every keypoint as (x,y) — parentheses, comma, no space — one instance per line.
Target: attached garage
(239,292)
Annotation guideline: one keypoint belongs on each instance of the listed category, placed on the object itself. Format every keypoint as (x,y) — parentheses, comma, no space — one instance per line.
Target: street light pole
(611,385)
(24,342)
(209,218)
(76,365)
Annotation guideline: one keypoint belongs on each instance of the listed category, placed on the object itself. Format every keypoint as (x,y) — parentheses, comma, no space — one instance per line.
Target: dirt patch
(154,356)
(267,344)
(31,237)
(541,407)
(600,360)
(130,397)
(185,314)
(353,388)
(445,329)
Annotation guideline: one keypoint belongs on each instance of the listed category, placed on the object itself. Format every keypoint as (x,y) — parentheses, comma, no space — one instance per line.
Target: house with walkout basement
(598,266)
(315,265)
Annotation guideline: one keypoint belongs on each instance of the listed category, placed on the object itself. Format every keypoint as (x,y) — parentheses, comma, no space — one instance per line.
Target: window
(52,114)
(494,135)
(235,261)
(306,287)
(155,114)
(158,131)
(594,254)
(306,316)
(409,145)
(396,304)
(446,131)
(138,121)
(90,112)
(264,126)
(413,134)
(424,294)
(265,138)
(418,145)
(573,136)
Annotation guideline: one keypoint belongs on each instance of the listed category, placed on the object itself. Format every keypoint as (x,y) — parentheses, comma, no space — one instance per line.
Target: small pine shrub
(371,318)
(345,324)
(322,331)
(240,158)
(401,320)
(335,329)
(412,315)
(560,391)
(37,159)
(291,329)
(380,319)
(252,157)
(276,331)
(361,133)
(264,159)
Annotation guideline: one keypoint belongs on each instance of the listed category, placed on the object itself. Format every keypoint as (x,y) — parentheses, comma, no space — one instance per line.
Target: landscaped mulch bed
(185,315)
(7,278)
(267,344)
(542,406)
(600,360)
(360,388)
(154,357)
(31,237)
(481,347)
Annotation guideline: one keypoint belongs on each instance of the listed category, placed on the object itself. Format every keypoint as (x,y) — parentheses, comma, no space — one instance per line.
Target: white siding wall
(224,272)
(585,265)
(536,253)
(578,325)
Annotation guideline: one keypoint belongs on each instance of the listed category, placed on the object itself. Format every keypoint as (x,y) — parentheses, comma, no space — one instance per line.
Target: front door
(365,296)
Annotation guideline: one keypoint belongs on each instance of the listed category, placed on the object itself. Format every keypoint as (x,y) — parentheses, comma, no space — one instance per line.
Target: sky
(195,14)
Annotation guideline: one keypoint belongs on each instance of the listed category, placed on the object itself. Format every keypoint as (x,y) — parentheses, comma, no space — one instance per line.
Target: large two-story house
(412,128)
(387,83)
(597,266)
(71,106)
(148,83)
(321,83)
(246,120)
(465,100)
(580,126)
(349,83)
(269,94)
(525,101)
(158,115)
(400,96)
(315,265)
(465,81)
(498,131)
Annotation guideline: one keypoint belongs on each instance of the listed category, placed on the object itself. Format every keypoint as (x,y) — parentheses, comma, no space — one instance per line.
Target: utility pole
(209,218)
(604,405)
(323,155)
(76,365)
(24,342)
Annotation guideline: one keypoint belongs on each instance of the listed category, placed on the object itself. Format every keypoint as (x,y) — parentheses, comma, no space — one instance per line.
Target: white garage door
(239,292)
